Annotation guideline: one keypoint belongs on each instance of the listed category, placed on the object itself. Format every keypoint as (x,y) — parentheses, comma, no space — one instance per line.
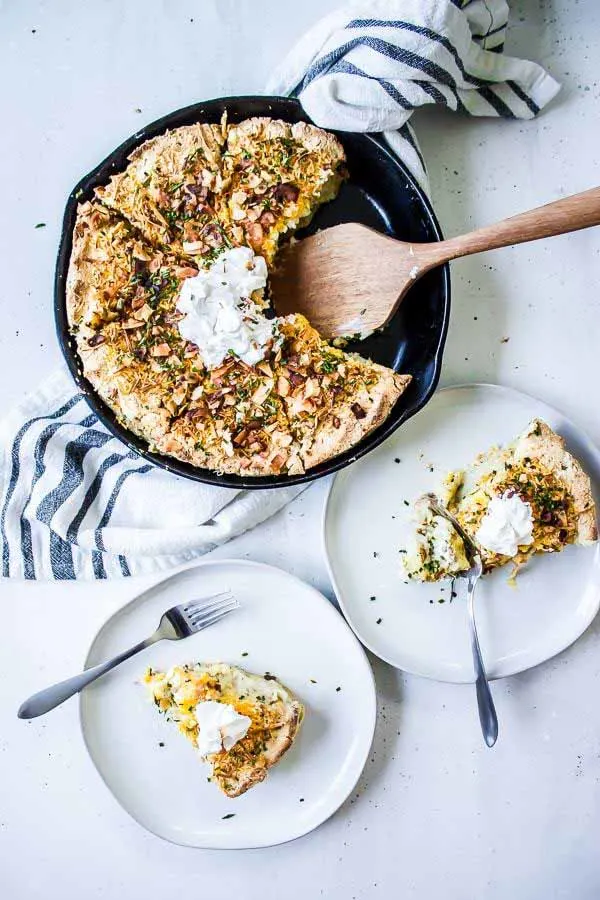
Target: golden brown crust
(282,740)
(333,439)
(540,442)
(262,128)
(181,167)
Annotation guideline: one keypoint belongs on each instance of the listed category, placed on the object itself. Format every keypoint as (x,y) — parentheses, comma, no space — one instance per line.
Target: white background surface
(436,814)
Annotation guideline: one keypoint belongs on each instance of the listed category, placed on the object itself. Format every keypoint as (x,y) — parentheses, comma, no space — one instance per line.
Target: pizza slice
(121,294)
(241,724)
(170,189)
(304,403)
(277,176)
(531,497)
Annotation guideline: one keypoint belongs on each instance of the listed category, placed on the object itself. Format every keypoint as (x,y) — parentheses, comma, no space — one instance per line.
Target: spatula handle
(560,217)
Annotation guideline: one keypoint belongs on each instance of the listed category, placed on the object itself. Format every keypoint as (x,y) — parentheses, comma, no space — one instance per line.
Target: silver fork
(176,623)
(485,702)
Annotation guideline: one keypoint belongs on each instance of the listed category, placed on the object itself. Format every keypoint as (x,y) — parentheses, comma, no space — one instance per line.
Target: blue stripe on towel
(400,54)
(39,469)
(16,468)
(93,491)
(111,503)
(350,69)
(424,32)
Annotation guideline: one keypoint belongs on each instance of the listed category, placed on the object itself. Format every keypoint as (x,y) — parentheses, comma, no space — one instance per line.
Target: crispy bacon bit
(241,437)
(161,350)
(139,299)
(296,379)
(199,412)
(267,219)
(336,422)
(358,411)
(277,463)
(95,340)
(200,191)
(255,232)
(286,192)
(213,236)
(139,266)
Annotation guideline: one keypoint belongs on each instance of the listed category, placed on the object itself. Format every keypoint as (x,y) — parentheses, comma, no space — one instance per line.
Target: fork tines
(201,613)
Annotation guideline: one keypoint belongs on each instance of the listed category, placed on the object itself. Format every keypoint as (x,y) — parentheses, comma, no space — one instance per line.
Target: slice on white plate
(239,722)
(529,497)
(283,629)
(419,627)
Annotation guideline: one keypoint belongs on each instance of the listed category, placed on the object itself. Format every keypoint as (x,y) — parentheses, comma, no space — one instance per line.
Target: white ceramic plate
(556,596)
(285,627)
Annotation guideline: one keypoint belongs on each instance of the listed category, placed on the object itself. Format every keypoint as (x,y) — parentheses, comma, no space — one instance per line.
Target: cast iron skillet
(380,193)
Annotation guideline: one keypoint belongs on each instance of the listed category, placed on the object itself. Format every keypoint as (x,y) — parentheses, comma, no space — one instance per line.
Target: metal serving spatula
(349,280)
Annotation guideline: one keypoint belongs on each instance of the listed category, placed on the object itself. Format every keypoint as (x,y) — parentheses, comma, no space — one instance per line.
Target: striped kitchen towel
(367,66)
(75,502)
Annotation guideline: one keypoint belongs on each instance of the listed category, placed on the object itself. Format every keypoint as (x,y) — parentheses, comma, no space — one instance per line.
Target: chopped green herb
(41,225)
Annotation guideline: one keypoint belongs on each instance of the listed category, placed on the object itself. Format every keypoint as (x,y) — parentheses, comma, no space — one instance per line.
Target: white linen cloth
(368,65)
(75,502)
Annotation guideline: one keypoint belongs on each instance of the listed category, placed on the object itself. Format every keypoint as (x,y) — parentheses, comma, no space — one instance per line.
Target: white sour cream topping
(506,525)
(219,726)
(219,314)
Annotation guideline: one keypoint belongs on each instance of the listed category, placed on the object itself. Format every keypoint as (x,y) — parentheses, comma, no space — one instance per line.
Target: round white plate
(366,523)
(285,627)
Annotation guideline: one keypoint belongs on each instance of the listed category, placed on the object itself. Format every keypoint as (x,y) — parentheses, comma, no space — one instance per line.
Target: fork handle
(53,696)
(488,718)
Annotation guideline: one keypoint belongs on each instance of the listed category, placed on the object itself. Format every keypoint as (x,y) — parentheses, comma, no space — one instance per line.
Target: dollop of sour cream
(506,525)
(220,726)
(219,315)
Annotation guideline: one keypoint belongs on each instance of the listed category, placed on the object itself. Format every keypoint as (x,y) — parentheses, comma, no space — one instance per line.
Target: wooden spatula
(349,280)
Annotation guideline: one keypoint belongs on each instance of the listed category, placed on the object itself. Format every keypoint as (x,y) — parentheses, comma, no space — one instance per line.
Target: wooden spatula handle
(560,217)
